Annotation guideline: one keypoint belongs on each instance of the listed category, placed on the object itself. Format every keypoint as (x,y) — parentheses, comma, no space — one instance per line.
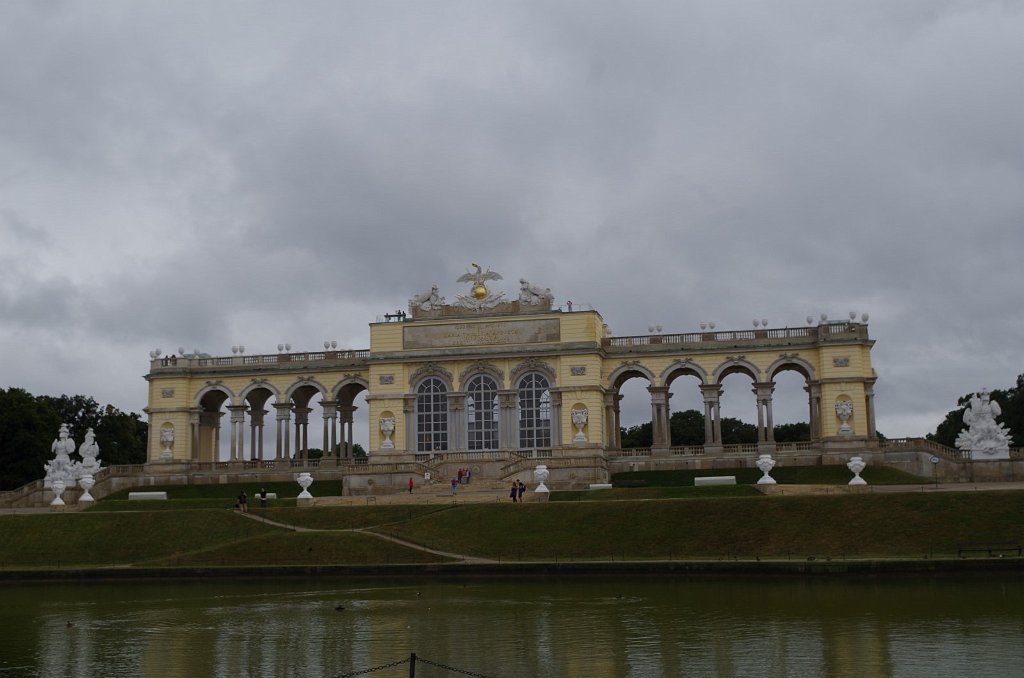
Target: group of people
(243,500)
(517,491)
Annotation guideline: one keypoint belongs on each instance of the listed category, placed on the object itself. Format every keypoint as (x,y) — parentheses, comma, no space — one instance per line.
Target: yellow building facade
(490,375)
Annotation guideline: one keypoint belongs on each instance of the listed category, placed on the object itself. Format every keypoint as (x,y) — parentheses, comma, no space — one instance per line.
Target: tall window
(431,416)
(534,411)
(482,413)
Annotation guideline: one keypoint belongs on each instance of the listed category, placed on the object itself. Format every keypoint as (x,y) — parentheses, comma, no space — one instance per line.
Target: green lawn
(655,492)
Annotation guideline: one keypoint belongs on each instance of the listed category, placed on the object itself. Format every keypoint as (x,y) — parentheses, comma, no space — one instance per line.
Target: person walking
(514,492)
(459,476)
(263,497)
(411,484)
(522,490)
(243,502)
(455,486)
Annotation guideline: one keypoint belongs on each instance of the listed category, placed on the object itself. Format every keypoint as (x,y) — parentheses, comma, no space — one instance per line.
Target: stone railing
(782,336)
(247,361)
(687,451)
(923,444)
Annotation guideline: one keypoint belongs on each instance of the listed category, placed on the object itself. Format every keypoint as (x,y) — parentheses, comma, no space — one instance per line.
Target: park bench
(146,496)
(989,548)
(714,480)
(600,486)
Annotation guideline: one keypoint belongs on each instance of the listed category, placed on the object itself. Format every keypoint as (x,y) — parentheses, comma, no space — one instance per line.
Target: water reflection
(537,627)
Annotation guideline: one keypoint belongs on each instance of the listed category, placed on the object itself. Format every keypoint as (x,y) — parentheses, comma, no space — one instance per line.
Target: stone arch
(481,367)
(791,362)
(304,382)
(628,370)
(256,385)
(682,367)
(738,365)
(350,386)
(431,370)
(213,387)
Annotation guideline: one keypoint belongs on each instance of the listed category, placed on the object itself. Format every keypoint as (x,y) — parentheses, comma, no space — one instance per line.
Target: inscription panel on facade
(481,334)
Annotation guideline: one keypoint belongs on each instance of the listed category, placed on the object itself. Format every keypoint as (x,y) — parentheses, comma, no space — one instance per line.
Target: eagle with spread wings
(479,277)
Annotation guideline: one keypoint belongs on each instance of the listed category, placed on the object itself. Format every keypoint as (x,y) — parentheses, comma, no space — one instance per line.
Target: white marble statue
(86,481)
(844,410)
(387,429)
(61,467)
(984,438)
(90,452)
(428,301)
(534,295)
(856,466)
(579,420)
(765,464)
(58,487)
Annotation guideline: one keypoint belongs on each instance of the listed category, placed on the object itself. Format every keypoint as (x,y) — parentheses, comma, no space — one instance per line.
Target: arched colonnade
(292,408)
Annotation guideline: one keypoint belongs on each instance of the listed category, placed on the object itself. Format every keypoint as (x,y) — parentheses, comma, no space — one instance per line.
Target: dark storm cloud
(213,173)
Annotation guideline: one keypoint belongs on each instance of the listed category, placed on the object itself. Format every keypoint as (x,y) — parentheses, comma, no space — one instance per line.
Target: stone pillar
(508,408)
(556,417)
(813,389)
(330,409)
(347,414)
(302,432)
(660,433)
(411,432)
(765,420)
(237,445)
(712,421)
(283,425)
(193,422)
(869,397)
(610,421)
(457,420)
(256,432)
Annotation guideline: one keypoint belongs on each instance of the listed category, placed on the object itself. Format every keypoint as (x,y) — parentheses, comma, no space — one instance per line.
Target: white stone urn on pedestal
(541,474)
(58,488)
(86,481)
(765,464)
(856,466)
(387,429)
(304,480)
(579,420)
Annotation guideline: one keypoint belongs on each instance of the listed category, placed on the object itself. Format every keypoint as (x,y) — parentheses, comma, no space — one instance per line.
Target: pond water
(612,627)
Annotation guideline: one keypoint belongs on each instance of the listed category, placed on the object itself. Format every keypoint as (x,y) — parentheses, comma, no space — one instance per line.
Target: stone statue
(479,296)
(61,467)
(856,466)
(844,410)
(534,295)
(765,464)
(541,474)
(428,301)
(90,451)
(579,420)
(387,428)
(984,438)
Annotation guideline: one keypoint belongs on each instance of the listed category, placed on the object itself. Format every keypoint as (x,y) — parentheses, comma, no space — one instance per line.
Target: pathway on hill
(394,540)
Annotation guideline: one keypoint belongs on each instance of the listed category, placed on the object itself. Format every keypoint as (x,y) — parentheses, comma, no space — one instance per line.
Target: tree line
(29,424)
(1011,402)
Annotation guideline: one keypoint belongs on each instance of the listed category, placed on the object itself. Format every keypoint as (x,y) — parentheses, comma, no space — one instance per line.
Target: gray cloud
(225,173)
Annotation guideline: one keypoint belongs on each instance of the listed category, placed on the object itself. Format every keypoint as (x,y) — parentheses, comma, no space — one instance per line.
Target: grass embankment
(862,525)
(169,537)
(787,475)
(199,497)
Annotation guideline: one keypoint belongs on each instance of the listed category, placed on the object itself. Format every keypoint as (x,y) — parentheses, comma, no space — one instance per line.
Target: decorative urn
(765,464)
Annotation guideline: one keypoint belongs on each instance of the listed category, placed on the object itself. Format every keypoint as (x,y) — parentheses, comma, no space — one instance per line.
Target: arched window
(534,411)
(482,413)
(431,416)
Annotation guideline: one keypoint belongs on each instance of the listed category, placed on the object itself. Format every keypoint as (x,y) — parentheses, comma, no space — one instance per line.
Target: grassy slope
(851,525)
(791,475)
(860,525)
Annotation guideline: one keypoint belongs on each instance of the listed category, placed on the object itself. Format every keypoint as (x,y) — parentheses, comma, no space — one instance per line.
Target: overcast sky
(204,174)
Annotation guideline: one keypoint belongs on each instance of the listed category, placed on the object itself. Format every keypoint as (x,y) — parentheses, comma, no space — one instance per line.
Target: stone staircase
(479,491)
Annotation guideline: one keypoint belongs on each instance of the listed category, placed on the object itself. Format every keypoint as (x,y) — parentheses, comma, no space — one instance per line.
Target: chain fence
(412,660)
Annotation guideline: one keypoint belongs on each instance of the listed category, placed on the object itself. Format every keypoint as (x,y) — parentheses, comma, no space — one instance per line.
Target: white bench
(600,486)
(146,496)
(714,480)
(270,495)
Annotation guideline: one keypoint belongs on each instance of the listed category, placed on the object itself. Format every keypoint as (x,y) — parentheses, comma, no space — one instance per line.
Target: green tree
(736,432)
(122,437)
(26,433)
(793,433)
(687,427)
